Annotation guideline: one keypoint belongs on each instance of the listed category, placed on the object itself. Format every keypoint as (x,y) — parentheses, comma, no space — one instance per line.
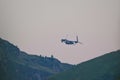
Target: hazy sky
(37,26)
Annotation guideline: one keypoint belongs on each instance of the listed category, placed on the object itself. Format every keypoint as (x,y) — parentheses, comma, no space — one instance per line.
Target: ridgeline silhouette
(106,67)
(18,65)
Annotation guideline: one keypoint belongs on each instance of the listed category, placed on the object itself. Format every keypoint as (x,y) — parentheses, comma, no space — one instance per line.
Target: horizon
(56,57)
(37,27)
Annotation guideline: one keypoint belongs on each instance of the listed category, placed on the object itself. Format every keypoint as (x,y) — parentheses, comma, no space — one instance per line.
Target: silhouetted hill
(18,65)
(106,67)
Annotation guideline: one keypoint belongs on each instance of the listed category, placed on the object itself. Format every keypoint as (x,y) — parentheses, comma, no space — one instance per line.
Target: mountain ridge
(105,67)
(18,65)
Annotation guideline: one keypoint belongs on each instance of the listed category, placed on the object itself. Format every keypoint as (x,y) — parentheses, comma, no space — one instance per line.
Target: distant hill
(18,65)
(106,67)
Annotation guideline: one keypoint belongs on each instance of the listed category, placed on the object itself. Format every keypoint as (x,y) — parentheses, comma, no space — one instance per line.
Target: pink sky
(37,26)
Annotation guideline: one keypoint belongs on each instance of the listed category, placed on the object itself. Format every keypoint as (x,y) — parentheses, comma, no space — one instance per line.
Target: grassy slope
(106,67)
(18,65)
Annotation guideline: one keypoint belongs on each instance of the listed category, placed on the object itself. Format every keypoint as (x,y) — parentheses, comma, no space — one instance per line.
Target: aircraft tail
(77,38)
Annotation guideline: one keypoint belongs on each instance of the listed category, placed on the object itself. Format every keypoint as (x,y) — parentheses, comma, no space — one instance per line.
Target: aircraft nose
(62,40)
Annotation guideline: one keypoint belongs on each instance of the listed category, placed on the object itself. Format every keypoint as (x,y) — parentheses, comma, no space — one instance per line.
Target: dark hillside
(106,67)
(18,65)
